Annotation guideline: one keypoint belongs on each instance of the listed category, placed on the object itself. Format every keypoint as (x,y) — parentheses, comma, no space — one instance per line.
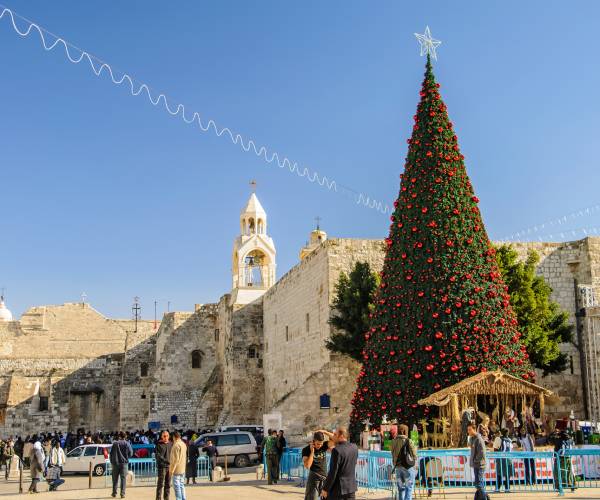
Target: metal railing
(438,470)
(145,472)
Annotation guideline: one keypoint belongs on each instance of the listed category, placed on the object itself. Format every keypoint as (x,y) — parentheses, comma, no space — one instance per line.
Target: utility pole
(136,312)
(155,304)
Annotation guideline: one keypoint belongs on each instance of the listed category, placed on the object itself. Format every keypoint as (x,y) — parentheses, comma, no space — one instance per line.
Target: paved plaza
(243,486)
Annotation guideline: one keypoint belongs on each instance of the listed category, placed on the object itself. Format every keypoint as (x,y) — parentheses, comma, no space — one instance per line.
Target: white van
(239,447)
(78,459)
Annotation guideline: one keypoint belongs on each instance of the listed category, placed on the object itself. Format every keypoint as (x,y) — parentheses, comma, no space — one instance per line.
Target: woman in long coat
(36,466)
(192,464)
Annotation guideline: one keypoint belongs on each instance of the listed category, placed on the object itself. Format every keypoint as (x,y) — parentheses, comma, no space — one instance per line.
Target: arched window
(252,352)
(196,359)
(144,370)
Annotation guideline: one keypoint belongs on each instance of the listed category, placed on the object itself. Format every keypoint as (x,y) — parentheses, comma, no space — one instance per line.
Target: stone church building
(259,349)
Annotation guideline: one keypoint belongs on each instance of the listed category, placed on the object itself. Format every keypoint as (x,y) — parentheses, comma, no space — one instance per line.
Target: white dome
(5,314)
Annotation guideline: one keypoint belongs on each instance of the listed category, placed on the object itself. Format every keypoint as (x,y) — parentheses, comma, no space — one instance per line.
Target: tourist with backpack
(404,458)
(272,457)
(503,444)
(477,460)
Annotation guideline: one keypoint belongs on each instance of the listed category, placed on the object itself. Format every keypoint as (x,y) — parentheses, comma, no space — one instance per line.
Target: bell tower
(253,269)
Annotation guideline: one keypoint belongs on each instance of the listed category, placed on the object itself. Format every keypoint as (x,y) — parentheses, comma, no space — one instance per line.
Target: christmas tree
(442,312)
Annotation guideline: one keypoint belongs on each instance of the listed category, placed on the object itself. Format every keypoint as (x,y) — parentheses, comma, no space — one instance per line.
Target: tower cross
(253,185)
(318,220)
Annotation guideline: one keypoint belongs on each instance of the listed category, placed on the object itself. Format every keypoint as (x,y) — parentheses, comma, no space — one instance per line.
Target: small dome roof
(5,314)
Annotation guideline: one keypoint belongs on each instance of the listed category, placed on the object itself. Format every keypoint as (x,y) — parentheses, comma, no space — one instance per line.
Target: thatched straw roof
(489,383)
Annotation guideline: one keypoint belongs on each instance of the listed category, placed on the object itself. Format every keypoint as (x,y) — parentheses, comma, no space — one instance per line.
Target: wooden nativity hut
(495,395)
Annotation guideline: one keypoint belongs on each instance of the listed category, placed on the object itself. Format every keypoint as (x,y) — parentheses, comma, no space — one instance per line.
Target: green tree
(442,311)
(541,322)
(353,304)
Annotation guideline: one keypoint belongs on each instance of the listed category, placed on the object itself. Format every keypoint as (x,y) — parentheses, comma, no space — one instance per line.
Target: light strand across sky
(136,88)
(558,223)
(559,235)
(98,66)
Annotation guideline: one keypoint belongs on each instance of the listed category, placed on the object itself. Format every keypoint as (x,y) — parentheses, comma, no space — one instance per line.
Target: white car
(78,459)
(238,447)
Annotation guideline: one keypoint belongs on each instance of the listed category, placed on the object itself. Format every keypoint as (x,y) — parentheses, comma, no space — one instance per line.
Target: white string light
(136,88)
(428,45)
(560,221)
(560,235)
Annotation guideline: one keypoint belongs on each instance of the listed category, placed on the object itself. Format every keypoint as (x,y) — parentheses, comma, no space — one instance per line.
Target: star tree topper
(428,44)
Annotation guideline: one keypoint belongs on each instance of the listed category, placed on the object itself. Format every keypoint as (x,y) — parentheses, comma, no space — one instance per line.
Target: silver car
(238,447)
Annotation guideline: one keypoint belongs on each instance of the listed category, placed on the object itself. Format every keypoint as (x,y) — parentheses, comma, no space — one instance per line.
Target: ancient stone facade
(260,351)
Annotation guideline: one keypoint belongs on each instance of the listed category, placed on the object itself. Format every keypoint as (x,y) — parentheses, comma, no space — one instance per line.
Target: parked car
(239,447)
(78,459)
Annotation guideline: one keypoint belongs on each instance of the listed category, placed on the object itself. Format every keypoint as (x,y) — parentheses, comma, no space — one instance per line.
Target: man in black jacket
(211,451)
(162,452)
(341,478)
(120,453)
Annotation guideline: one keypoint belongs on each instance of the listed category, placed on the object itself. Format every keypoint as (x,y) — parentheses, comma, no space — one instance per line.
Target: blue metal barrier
(145,472)
(291,465)
(577,468)
(518,471)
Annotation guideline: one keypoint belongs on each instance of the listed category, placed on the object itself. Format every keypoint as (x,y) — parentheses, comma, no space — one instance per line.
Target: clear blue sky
(103,193)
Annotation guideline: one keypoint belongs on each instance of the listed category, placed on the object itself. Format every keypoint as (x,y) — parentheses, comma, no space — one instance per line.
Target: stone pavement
(243,486)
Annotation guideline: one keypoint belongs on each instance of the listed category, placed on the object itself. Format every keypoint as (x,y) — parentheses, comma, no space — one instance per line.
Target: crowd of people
(338,482)
(176,456)
(506,441)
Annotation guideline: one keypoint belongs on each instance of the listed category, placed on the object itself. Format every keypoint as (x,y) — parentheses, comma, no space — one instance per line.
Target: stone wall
(243,395)
(561,264)
(296,314)
(178,387)
(70,356)
(294,347)
(301,409)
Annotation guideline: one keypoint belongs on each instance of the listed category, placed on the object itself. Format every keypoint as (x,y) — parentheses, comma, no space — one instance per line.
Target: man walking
(177,465)
(340,483)
(162,453)
(120,453)
(404,457)
(477,460)
(9,453)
